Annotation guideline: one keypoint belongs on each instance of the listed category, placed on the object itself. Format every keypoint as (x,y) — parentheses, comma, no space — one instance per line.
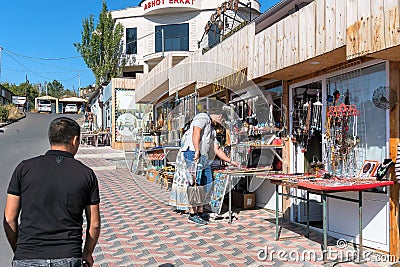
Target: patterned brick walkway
(140,229)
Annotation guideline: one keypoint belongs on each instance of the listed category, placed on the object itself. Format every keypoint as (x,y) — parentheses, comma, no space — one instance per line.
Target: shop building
(314,57)
(156,30)
(5,96)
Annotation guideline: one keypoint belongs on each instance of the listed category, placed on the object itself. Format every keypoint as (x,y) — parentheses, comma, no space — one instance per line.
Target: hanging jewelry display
(271,116)
(317,111)
(340,141)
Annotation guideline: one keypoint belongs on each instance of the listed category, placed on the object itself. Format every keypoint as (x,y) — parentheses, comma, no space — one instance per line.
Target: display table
(323,187)
(89,137)
(311,184)
(224,183)
(159,156)
(104,138)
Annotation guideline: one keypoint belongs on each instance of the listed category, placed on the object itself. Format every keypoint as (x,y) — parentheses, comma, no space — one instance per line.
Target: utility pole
(79,84)
(26,85)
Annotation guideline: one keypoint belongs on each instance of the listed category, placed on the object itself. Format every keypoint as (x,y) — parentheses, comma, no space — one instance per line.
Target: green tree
(55,89)
(101,47)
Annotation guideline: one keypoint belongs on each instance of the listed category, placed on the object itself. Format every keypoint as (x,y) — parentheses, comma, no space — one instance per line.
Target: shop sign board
(233,81)
(151,5)
(125,99)
(18,100)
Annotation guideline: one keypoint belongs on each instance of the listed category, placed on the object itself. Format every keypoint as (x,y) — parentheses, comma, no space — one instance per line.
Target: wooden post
(286,150)
(394,82)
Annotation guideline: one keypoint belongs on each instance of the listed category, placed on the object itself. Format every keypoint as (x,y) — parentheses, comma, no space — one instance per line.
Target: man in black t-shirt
(50,193)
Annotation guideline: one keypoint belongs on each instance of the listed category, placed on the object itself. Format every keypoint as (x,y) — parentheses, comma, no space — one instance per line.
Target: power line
(38,58)
(49,72)
(34,72)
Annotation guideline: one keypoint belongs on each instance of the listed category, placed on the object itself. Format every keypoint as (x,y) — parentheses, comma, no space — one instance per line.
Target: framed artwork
(368,168)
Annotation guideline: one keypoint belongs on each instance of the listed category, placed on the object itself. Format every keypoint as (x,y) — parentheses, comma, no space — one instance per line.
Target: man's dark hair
(62,130)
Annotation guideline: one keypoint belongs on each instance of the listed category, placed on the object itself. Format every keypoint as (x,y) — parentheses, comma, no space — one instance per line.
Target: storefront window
(130,117)
(176,37)
(366,131)
(131,41)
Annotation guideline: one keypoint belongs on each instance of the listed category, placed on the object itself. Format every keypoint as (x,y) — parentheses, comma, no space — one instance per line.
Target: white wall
(136,17)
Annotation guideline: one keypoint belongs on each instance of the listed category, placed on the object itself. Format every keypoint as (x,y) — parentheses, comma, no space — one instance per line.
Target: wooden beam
(394,81)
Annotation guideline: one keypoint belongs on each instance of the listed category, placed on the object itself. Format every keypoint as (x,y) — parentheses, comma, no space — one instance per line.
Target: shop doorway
(306,131)
(306,126)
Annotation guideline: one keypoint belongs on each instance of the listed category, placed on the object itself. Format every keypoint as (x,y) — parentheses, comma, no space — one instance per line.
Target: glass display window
(363,134)
(336,119)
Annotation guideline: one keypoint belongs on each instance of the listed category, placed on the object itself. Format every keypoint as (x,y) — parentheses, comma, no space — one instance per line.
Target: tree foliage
(101,47)
(31,91)
(55,89)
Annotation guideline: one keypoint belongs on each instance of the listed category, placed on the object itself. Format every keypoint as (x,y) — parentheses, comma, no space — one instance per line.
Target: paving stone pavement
(140,229)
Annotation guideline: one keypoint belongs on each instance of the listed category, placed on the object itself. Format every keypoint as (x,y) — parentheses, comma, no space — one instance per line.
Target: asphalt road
(23,139)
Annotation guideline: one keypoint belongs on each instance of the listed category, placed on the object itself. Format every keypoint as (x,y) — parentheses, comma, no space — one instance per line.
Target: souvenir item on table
(368,169)
(316,164)
(342,185)
(383,169)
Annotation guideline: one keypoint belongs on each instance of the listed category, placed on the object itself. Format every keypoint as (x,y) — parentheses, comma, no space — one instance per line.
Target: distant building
(5,96)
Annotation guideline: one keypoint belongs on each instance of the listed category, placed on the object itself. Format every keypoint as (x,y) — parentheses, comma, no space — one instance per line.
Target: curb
(10,122)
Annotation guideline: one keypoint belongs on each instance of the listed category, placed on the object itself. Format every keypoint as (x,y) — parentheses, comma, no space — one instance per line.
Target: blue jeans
(205,178)
(64,262)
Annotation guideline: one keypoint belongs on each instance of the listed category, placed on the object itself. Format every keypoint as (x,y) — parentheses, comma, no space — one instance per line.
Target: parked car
(71,108)
(44,106)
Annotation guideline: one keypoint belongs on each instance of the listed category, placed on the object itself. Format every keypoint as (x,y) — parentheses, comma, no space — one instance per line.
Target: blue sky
(34,30)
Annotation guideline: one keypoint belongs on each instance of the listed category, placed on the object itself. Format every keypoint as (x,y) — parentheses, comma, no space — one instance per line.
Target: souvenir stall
(256,129)
(339,129)
(164,133)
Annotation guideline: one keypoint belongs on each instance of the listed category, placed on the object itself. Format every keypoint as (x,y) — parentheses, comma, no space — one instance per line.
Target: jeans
(64,262)
(206,175)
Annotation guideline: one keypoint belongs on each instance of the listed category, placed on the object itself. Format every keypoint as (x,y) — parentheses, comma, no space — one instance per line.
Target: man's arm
(10,222)
(92,232)
(196,141)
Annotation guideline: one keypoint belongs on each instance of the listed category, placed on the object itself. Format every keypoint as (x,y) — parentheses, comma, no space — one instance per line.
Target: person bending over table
(201,147)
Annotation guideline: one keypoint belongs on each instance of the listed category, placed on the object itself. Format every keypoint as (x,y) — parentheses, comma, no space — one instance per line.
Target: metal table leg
(360,229)
(325,226)
(276,212)
(308,214)
(229,186)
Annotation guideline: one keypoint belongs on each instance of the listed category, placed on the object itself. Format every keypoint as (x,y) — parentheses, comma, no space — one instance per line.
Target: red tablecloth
(342,185)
